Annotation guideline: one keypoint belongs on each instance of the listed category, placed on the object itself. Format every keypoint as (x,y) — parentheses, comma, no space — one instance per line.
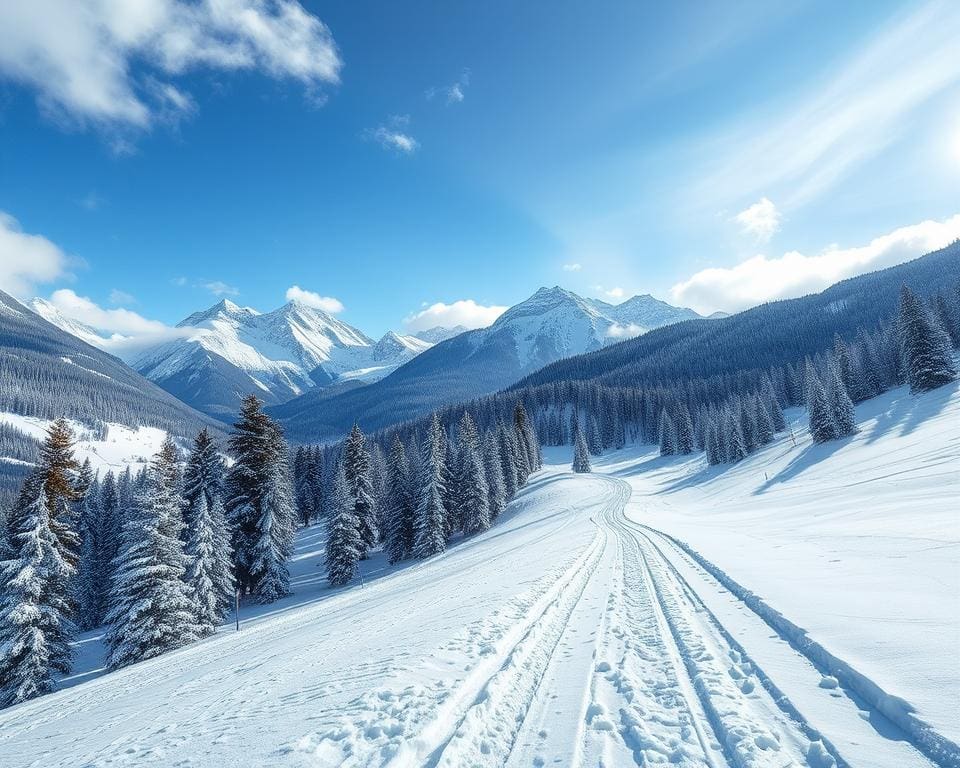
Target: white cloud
(220,288)
(845,120)
(393,135)
(617,331)
(121,297)
(614,293)
(761,220)
(465,312)
(119,320)
(315,300)
(572,267)
(761,279)
(26,259)
(453,94)
(81,55)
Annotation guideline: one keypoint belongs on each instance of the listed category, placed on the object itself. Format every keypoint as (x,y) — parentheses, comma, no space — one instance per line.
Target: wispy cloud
(822,136)
(220,288)
(393,135)
(760,220)
(25,259)
(763,279)
(315,300)
(574,267)
(110,63)
(465,312)
(453,93)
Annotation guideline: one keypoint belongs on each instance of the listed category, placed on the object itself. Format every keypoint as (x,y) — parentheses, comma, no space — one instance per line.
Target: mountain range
(322,373)
(552,324)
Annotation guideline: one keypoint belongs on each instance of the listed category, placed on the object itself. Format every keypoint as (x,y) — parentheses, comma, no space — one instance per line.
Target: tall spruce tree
(430,523)
(474,493)
(259,503)
(844,415)
(493,468)
(356,467)
(210,570)
(344,544)
(822,424)
(33,618)
(151,610)
(581,456)
(925,348)
(400,507)
(668,434)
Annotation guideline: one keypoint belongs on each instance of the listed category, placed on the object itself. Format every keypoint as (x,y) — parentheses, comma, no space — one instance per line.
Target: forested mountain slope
(47,373)
(772,334)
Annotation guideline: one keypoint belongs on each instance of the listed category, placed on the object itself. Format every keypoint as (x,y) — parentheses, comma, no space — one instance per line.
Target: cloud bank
(324,303)
(25,259)
(107,61)
(762,279)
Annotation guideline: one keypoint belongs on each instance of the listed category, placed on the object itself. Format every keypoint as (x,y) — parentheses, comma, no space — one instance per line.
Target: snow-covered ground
(120,447)
(580,632)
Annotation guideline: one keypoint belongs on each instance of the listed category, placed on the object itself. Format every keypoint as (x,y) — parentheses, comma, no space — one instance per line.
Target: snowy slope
(552,324)
(578,632)
(51,314)
(278,355)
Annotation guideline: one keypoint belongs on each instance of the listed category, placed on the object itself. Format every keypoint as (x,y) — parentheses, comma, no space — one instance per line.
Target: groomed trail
(567,635)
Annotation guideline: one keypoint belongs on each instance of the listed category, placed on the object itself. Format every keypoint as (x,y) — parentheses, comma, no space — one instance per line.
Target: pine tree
(150,607)
(400,508)
(474,493)
(430,521)
(527,437)
(89,592)
(356,467)
(210,570)
(822,424)
(736,445)
(844,416)
(509,461)
(303,485)
(260,505)
(581,456)
(33,619)
(668,435)
(924,346)
(493,468)
(684,431)
(713,447)
(343,534)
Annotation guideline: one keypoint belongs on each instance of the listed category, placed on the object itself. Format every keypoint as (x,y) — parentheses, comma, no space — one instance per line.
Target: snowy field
(572,634)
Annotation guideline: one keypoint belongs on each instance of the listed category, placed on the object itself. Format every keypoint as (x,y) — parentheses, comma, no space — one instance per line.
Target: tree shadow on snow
(905,413)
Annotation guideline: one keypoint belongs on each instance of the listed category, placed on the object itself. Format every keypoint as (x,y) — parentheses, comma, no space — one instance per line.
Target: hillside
(578,629)
(46,373)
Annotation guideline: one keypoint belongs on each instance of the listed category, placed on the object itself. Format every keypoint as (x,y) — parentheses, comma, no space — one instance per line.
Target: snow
(122,447)
(798,608)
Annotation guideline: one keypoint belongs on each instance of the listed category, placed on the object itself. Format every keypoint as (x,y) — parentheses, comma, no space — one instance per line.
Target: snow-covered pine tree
(474,493)
(684,430)
(764,421)
(150,607)
(527,437)
(713,447)
(210,574)
(356,467)
(317,482)
(947,313)
(772,404)
(88,587)
(302,485)
(400,508)
(925,348)
(736,444)
(594,439)
(33,618)
(210,570)
(668,434)
(844,416)
(344,544)
(509,461)
(493,468)
(430,521)
(276,526)
(260,505)
(581,455)
(822,424)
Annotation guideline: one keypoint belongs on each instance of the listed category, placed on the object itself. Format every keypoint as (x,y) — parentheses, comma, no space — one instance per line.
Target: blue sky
(156,155)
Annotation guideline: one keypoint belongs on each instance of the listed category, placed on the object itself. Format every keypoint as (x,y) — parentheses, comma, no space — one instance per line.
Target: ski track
(631,650)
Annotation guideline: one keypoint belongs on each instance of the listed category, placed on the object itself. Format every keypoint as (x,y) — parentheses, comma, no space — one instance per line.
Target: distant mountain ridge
(552,324)
(278,355)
